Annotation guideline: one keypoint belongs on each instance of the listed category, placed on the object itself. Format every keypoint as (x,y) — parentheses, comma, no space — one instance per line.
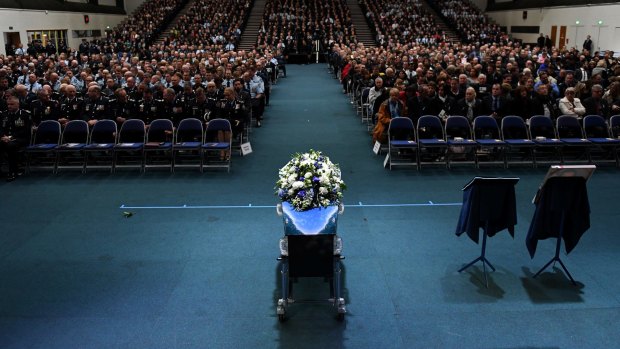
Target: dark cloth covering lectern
(562,211)
(488,203)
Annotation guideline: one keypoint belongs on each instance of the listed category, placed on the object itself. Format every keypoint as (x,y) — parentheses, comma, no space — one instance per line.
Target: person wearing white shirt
(569,105)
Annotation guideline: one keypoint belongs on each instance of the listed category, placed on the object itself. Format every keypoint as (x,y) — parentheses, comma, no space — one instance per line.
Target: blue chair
(488,138)
(431,139)
(158,146)
(213,146)
(402,145)
(548,145)
(461,144)
(571,134)
(614,126)
(604,148)
(98,153)
(43,145)
(130,144)
(364,105)
(187,144)
(517,138)
(69,154)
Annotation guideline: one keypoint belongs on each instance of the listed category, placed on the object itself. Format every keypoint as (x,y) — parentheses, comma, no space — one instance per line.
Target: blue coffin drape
(316,221)
(562,210)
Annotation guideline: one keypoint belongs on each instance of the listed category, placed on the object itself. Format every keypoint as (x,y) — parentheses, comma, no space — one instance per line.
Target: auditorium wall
(480,4)
(605,36)
(131,5)
(22,21)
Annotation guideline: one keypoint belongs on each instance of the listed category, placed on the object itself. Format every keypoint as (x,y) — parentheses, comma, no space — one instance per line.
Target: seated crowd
(136,33)
(470,81)
(293,25)
(469,22)
(400,22)
(192,74)
(202,28)
(175,89)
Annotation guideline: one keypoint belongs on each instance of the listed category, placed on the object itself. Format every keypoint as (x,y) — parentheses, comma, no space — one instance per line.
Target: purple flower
(315,179)
(301,193)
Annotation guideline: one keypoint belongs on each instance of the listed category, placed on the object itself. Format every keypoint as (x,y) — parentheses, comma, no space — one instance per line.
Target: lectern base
(556,258)
(482,259)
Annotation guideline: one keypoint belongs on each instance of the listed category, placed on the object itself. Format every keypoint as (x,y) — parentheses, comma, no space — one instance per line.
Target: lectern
(562,211)
(488,203)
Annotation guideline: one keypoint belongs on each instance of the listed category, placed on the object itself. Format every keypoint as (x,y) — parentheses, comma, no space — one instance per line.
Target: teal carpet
(75,273)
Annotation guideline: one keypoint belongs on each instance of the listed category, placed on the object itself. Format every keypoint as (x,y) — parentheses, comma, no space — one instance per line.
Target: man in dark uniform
(44,108)
(200,108)
(587,44)
(72,108)
(25,97)
(4,86)
(230,109)
(264,74)
(168,108)
(96,107)
(14,134)
(109,88)
(84,47)
(121,106)
(243,98)
(186,100)
(50,48)
(146,109)
(132,90)
(540,42)
(213,95)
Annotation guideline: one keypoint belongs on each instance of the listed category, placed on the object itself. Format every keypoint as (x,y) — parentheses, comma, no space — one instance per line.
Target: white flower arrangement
(310,180)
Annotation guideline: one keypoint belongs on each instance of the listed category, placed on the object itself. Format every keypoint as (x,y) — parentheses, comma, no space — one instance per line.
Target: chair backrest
(159,130)
(458,126)
(513,127)
(48,132)
(213,127)
(365,94)
(594,126)
(401,128)
(614,126)
(218,125)
(132,131)
(76,131)
(568,127)
(430,127)
(189,130)
(485,127)
(104,131)
(542,126)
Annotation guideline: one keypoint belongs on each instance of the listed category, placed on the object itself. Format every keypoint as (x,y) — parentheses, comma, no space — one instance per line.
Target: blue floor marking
(359,205)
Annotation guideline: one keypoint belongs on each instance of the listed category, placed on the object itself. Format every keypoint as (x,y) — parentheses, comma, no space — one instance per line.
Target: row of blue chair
(527,142)
(159,145)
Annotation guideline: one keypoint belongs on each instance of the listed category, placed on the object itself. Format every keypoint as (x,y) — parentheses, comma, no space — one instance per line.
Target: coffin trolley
(310,248)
